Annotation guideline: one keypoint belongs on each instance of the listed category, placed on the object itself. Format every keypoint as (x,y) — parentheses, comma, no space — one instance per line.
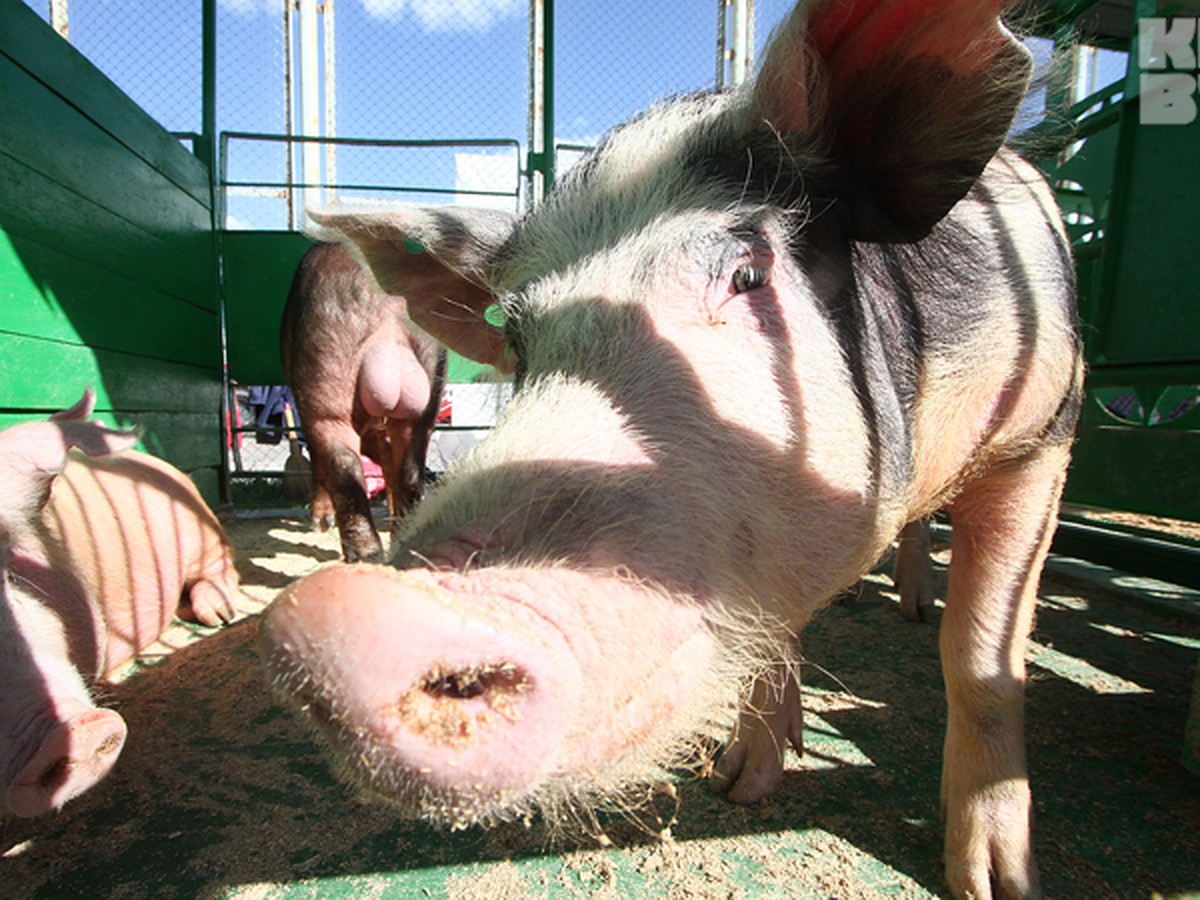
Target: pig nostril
(455,685)
(456,705)
(475,681)
(54,775)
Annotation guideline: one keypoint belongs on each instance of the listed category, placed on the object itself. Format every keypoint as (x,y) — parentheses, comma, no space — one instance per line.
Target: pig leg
(1003,524)
(913,572)
(751,766)
(406,465)
(207,601)
(335,456)
(321,507)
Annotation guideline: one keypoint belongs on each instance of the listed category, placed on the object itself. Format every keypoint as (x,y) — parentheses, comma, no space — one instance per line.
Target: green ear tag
(412,245)
(494,315)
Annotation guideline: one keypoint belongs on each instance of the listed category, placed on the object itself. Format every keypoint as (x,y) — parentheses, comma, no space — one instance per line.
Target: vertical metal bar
(288,115)
(741,40)
(540,157)
(330,101)
(548,94)
(207,153)
(1106,285)
(749,38)
(737,39)
(722,10)
(310,102)
(58,18)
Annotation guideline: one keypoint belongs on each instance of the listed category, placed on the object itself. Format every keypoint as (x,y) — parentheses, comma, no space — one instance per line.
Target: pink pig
(100,551)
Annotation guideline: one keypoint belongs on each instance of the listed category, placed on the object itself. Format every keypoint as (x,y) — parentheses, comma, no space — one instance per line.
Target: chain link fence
(401,70)
(369,101)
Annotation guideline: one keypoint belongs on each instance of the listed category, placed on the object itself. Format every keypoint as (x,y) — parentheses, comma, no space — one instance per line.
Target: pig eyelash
(747,278)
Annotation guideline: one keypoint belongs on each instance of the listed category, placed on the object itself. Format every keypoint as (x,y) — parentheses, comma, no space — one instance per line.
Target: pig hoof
(915,606)
(371,553)
(209,604)
(73,757)
(748,771)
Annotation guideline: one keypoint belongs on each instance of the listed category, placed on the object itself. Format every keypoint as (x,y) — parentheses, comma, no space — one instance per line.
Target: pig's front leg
(1002,529)
(751,766)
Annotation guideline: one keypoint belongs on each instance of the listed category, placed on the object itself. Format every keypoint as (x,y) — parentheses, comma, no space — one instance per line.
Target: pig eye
(747,278)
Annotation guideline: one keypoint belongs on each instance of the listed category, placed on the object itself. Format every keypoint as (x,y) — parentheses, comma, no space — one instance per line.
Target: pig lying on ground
(99,554)
(364,380)
(754,335)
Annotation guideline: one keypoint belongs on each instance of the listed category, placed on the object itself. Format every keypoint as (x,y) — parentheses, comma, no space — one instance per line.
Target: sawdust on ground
(221,793)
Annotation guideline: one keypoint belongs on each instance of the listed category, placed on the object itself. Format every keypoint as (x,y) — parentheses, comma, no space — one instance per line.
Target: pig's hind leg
(336,458)
(1002,526)
(209,601)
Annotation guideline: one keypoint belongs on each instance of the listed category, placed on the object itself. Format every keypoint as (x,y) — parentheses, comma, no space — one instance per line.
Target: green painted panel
(1147,470)
(1150,280)
(43,211)
(33,45)
(56,140)
(70,300)
(42,375)
(186,439)
(258,268)
(107,269)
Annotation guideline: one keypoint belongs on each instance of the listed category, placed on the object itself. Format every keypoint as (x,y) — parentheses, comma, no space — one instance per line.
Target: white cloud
(445,15)
(252,7)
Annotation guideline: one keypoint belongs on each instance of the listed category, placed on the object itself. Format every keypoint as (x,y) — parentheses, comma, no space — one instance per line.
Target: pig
(753,335)
(364,380)
(99,553)
(912,571)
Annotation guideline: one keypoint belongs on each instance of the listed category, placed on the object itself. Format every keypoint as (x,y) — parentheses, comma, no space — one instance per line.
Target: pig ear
(909,98)
(31,454)
(439,261)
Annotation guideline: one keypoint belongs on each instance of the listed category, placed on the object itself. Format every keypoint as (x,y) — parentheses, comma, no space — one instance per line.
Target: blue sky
(410,69)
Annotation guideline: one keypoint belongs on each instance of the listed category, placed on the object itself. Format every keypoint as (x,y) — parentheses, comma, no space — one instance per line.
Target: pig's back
(136,533)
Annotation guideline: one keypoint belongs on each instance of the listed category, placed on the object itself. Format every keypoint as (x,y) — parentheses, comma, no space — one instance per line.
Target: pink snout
(446,694)
(73,757)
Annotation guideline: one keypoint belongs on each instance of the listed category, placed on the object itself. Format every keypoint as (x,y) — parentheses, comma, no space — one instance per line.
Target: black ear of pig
(908,100)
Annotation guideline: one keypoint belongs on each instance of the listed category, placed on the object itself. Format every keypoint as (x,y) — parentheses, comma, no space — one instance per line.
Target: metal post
(310,102)
(330,100)
(722,16)
(540,157)
(206,152)
(289,99)
(58,18)
(735,41)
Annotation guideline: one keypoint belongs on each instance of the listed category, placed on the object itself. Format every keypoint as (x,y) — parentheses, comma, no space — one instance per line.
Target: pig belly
(145,547)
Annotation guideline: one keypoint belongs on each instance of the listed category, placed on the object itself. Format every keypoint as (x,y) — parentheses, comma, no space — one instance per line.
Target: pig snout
(477,697)
(78,749)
